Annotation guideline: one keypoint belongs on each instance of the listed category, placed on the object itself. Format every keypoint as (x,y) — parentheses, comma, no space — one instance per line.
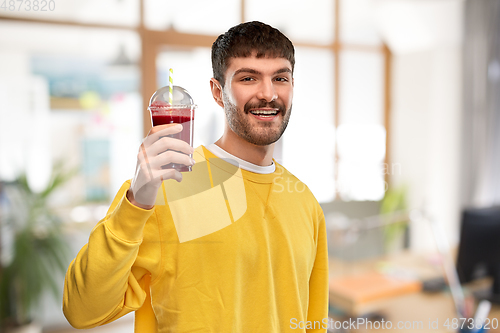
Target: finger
(162,130)
(170,156)
(148,176)
(158,128)
(166,143)
(162,145)
(172,174)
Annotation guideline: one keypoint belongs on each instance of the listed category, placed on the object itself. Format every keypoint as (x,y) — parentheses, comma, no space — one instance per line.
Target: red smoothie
(162,113)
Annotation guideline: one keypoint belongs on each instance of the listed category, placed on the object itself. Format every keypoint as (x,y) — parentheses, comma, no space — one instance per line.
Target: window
(83,85)
(337,137)
(192,16)
(309,141)
(361,135)
(309,22)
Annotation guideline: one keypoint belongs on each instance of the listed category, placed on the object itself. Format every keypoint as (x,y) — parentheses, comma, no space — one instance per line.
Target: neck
(236,146)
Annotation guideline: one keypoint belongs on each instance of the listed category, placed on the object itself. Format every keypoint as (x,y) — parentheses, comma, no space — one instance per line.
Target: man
(228,247)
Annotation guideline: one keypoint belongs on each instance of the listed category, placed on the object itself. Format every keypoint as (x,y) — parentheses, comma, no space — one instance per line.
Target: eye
(246,79)
(282,79)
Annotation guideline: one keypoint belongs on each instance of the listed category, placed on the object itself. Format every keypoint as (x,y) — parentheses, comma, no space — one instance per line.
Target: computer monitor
(479,249)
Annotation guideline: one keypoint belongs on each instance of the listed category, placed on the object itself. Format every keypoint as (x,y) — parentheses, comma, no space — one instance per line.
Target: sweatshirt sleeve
(101,283)
(318,282)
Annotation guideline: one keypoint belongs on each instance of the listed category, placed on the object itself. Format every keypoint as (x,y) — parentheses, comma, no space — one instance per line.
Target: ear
(216,89)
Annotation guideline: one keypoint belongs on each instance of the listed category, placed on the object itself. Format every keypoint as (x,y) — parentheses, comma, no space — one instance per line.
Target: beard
(267,133)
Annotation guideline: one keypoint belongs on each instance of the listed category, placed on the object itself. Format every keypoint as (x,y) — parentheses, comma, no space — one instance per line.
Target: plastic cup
(180,111)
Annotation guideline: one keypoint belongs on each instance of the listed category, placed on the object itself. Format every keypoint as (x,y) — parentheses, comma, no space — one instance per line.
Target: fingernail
(178,126)
(193,161)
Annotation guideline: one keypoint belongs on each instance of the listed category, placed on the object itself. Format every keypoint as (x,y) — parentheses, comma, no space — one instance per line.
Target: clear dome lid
(180,97)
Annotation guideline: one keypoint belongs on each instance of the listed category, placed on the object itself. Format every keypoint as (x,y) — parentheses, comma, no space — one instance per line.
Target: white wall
(426,110)
(426,135)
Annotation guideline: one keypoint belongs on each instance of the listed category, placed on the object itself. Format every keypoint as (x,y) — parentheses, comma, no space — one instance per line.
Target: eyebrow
(253,71)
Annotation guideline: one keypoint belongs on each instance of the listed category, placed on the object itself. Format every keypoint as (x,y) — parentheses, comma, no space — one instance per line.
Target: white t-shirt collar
(245,165)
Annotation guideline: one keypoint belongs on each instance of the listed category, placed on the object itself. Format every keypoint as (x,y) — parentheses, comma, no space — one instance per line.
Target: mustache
(263,104)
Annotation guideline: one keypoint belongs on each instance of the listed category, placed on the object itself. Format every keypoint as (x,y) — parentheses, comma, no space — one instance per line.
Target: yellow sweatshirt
(225,250)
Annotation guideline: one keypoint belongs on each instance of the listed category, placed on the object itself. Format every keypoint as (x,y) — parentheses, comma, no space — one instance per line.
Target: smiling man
(227,247)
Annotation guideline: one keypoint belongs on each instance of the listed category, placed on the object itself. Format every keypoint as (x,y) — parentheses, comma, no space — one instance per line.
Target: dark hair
(245,38)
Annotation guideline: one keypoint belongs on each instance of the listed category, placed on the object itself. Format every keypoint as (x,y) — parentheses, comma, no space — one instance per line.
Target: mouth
(267,114)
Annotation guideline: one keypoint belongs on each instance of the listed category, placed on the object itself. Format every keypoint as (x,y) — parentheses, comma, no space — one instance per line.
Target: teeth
(264,112)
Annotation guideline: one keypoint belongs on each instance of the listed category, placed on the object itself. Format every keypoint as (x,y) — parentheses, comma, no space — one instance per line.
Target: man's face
(257,98)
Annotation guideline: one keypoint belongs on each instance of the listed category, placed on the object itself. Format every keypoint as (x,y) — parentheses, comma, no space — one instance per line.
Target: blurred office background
(396,106)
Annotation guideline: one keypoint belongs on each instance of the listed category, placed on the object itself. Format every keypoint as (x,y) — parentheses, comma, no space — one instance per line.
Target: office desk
(418,311)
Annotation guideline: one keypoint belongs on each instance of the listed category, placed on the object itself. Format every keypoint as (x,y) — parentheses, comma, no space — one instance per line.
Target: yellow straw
(170,86)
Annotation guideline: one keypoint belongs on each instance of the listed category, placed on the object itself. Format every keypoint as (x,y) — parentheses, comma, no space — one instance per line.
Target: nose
(267,91)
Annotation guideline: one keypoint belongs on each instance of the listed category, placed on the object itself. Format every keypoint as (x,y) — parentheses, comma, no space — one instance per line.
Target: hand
(156,151)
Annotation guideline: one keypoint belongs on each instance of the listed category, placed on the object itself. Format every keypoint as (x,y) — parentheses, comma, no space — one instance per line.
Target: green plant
(39,251)
(394,202)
